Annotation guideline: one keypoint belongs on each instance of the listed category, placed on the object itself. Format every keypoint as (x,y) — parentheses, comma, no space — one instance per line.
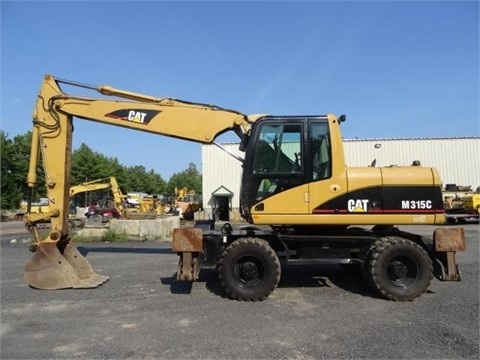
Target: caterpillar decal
(358,205)
(386,200)
(134,115)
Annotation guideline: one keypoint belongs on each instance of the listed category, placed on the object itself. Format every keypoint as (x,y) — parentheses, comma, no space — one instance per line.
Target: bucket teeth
(48,269)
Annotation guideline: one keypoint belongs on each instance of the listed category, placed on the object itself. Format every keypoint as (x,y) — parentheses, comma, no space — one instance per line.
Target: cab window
(277,160)
(278,149)
(320,151)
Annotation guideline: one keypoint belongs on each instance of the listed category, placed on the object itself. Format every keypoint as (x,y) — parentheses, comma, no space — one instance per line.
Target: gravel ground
(142,312)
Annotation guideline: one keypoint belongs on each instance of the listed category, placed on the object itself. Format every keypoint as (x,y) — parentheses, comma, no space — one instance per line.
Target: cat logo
(140,116)
(136,116)
(359,205)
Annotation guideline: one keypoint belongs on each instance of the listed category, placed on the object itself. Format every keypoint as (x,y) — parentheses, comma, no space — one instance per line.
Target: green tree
(156,184)
(190,178)
(10,192)
(15,155)
(137,179)
(87,165)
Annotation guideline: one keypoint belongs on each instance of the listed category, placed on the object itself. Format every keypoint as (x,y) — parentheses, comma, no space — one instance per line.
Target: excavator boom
(56,263)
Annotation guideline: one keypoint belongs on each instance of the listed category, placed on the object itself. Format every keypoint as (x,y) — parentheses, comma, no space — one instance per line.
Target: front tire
(249,270)
(400,269)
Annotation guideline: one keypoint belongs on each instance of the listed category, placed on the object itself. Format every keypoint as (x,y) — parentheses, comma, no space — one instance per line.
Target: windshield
(278,149)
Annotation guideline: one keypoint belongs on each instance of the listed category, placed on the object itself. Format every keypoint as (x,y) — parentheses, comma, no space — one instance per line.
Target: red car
(99,215)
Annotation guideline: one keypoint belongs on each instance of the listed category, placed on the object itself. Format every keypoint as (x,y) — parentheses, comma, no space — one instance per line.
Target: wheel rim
(96,218)
(249,272)
(402,271)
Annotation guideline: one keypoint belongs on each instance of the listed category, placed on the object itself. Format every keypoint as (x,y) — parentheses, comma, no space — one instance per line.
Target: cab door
(326,170)
(277,185)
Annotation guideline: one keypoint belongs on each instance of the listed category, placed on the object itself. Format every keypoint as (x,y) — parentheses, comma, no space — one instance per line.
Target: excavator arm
(93,185)
(56,262)
(99,184)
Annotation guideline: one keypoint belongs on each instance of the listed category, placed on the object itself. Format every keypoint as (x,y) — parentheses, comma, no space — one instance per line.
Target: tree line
(87,165)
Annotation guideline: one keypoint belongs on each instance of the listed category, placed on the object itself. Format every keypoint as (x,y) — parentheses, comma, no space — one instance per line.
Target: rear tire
(366,273)
(96,219)
(400,269)
(249,270)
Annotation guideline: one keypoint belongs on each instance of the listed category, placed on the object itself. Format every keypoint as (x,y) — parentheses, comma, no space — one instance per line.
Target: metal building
(457,159)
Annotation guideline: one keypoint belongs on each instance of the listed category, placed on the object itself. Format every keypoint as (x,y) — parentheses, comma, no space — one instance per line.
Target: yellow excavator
(144,204)
(93,185)
(187,203)
(117,207)
(295,180)
(98,215)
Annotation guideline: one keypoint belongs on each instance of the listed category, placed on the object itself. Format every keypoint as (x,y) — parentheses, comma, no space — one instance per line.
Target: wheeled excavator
(295,181)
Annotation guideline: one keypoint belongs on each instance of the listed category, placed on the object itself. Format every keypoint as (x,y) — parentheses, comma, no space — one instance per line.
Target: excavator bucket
(48,269)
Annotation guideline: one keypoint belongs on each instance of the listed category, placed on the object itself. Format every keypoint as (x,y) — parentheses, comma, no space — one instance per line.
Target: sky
(397,69)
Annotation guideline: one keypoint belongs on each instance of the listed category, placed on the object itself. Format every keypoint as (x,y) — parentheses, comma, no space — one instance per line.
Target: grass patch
(83,239)
(112,236)
(107,236)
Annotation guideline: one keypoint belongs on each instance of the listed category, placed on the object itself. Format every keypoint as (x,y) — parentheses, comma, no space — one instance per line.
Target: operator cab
(284,152)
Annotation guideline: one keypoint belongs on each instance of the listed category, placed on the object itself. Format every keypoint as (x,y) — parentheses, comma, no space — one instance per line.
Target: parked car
(99,215)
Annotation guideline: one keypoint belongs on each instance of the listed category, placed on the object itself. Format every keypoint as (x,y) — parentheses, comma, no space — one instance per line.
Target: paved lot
(143,313)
